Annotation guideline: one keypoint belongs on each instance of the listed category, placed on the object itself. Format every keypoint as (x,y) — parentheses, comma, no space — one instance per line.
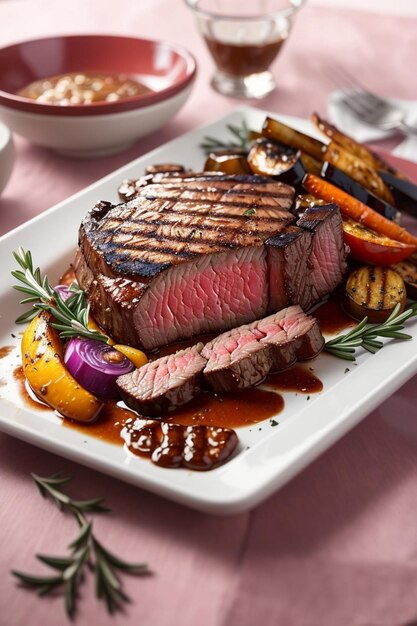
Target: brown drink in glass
(244,40)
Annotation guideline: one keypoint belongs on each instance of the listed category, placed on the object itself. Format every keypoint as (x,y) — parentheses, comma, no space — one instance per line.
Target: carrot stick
(355,209)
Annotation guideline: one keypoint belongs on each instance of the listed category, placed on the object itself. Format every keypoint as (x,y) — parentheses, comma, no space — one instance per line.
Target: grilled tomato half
(371,247)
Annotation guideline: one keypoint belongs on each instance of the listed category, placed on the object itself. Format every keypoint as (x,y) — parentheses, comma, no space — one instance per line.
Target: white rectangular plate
(268,456)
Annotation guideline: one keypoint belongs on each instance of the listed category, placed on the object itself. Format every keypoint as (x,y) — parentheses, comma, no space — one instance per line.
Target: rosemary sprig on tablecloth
(85,549)
(365,335)
(240,140)
(71,316)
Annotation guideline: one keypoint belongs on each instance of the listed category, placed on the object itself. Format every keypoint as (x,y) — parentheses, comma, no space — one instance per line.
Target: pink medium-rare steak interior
(236,360)
(164,384)
(215,292)
(328,255)
(242,357)
(293,327)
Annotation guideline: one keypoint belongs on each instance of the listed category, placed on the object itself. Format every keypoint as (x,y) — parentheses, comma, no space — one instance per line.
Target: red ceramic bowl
(164,67)
(100,128)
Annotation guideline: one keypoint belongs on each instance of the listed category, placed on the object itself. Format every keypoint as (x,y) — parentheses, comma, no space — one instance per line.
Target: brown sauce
(26,393)
(297,378)
(83,88)
(110,422)
(331,317)
(231,411)
(195,447)
(5,351)
(241,60)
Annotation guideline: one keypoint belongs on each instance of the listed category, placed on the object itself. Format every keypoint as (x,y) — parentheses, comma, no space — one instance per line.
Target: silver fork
(368,107)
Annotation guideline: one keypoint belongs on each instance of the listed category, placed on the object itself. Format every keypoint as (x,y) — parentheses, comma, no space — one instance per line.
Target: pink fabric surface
(335,547)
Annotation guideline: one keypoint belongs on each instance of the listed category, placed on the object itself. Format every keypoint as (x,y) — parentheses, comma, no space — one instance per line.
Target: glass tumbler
(244,37)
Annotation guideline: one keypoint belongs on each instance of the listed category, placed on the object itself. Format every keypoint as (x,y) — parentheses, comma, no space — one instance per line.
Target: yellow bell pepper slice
(45,371)
(137,357)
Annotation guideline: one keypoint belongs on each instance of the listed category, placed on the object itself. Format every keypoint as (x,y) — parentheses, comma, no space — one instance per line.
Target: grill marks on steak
(183,258)
(168,224)
(129,189)
(237,359)
(196,253)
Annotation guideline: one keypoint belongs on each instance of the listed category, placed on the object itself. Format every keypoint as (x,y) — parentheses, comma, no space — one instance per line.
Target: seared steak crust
(196,253)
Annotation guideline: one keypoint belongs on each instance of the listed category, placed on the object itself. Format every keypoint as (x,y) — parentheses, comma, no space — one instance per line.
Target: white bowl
(93,136)
(6,155)
(98,128)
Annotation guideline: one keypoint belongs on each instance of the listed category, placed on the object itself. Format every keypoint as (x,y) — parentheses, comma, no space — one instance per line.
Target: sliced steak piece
(183,258)
(302,333)
(165,384)
(244,356)
(289,270)
(328,256)
(236,360)
(197,447)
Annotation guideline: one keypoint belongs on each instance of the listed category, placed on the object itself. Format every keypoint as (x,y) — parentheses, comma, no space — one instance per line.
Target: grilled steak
(130,188)
(164,384)
(237,359)
(196,253)
(182,258)
(242,357)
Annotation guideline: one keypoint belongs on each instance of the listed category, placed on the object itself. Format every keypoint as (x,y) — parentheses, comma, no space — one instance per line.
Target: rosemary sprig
(71,316)
(240,139)
(85,550)
(365,335)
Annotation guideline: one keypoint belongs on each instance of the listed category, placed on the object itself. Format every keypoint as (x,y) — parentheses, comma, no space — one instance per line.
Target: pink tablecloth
(338,545)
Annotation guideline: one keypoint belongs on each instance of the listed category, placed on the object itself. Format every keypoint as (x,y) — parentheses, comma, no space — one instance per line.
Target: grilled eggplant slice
(374,292)
(350,145)
(404,192)
(272,129)
(360,171)
(269,158)
(227,161)
(343,181)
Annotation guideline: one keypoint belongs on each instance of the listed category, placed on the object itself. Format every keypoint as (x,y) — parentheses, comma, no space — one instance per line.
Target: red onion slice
(96,365)
(63,291)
